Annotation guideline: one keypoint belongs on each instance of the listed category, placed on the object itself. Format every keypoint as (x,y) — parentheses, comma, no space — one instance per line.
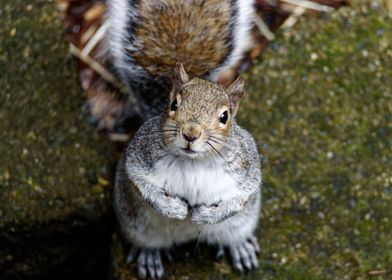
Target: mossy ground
(54,168)
(319,106)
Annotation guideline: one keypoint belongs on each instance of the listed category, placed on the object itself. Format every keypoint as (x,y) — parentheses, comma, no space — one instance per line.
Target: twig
(267,33)
(105,74)
(309,5)
(95,39)
(119,137)
(86,36)
(293,18)
(62,5)
(379,272)
(94,12)
(388,4)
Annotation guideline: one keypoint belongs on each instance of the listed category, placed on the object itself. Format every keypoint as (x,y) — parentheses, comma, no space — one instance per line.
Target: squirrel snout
(190,138)
(191,134)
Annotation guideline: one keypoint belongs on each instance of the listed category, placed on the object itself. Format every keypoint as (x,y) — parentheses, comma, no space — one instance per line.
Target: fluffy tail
(147,39)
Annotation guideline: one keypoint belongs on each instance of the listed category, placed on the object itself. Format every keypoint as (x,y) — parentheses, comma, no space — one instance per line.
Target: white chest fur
(199,182)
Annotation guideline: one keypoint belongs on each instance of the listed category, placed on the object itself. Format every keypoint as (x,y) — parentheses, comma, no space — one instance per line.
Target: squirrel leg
(236,235)
(243,254)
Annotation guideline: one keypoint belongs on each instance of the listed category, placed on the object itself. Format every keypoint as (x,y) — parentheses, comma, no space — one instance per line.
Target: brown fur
(200,104)
(108,107)
(171,31)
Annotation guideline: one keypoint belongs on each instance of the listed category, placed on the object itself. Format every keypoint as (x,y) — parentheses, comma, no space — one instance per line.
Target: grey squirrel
(147,38)
(190,173)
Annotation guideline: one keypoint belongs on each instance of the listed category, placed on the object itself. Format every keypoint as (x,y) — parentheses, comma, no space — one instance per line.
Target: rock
(55,171)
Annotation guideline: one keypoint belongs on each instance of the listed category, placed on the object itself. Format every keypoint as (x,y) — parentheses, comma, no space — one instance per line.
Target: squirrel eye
(223,118)
(173,105)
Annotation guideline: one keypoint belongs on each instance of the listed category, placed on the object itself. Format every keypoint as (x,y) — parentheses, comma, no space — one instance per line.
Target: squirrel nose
(190,138)
(191,132)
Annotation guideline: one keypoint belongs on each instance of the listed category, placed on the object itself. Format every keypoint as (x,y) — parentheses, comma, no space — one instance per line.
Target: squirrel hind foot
(149,262)
(244,256)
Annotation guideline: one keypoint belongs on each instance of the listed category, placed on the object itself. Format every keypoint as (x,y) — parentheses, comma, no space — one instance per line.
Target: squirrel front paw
(216,213)
(172,207)
(206,215)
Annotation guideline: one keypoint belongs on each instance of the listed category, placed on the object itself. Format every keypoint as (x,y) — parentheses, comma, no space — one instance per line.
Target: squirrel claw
(168,255)
(220,253)
(255,243)
(131,255)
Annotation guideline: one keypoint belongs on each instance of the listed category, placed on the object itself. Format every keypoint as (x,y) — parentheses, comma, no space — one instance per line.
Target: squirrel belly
(147,38)
(206,182)
(144,227)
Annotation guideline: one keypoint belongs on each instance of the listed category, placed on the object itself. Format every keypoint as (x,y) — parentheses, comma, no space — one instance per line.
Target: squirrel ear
(179,77)
(235,91)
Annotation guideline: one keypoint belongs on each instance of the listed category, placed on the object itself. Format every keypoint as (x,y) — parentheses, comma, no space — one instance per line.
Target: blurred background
(318,101)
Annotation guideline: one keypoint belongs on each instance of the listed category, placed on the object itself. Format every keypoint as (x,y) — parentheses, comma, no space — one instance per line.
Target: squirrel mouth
(188,150)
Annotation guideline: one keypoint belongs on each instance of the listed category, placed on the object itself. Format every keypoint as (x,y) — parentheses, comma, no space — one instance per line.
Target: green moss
(320,107)
(51,159)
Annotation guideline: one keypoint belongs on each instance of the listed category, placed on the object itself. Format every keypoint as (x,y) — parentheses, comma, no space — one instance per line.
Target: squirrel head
(200,115)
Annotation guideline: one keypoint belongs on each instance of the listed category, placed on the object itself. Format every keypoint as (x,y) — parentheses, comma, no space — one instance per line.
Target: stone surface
(320,107)
(55,214)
